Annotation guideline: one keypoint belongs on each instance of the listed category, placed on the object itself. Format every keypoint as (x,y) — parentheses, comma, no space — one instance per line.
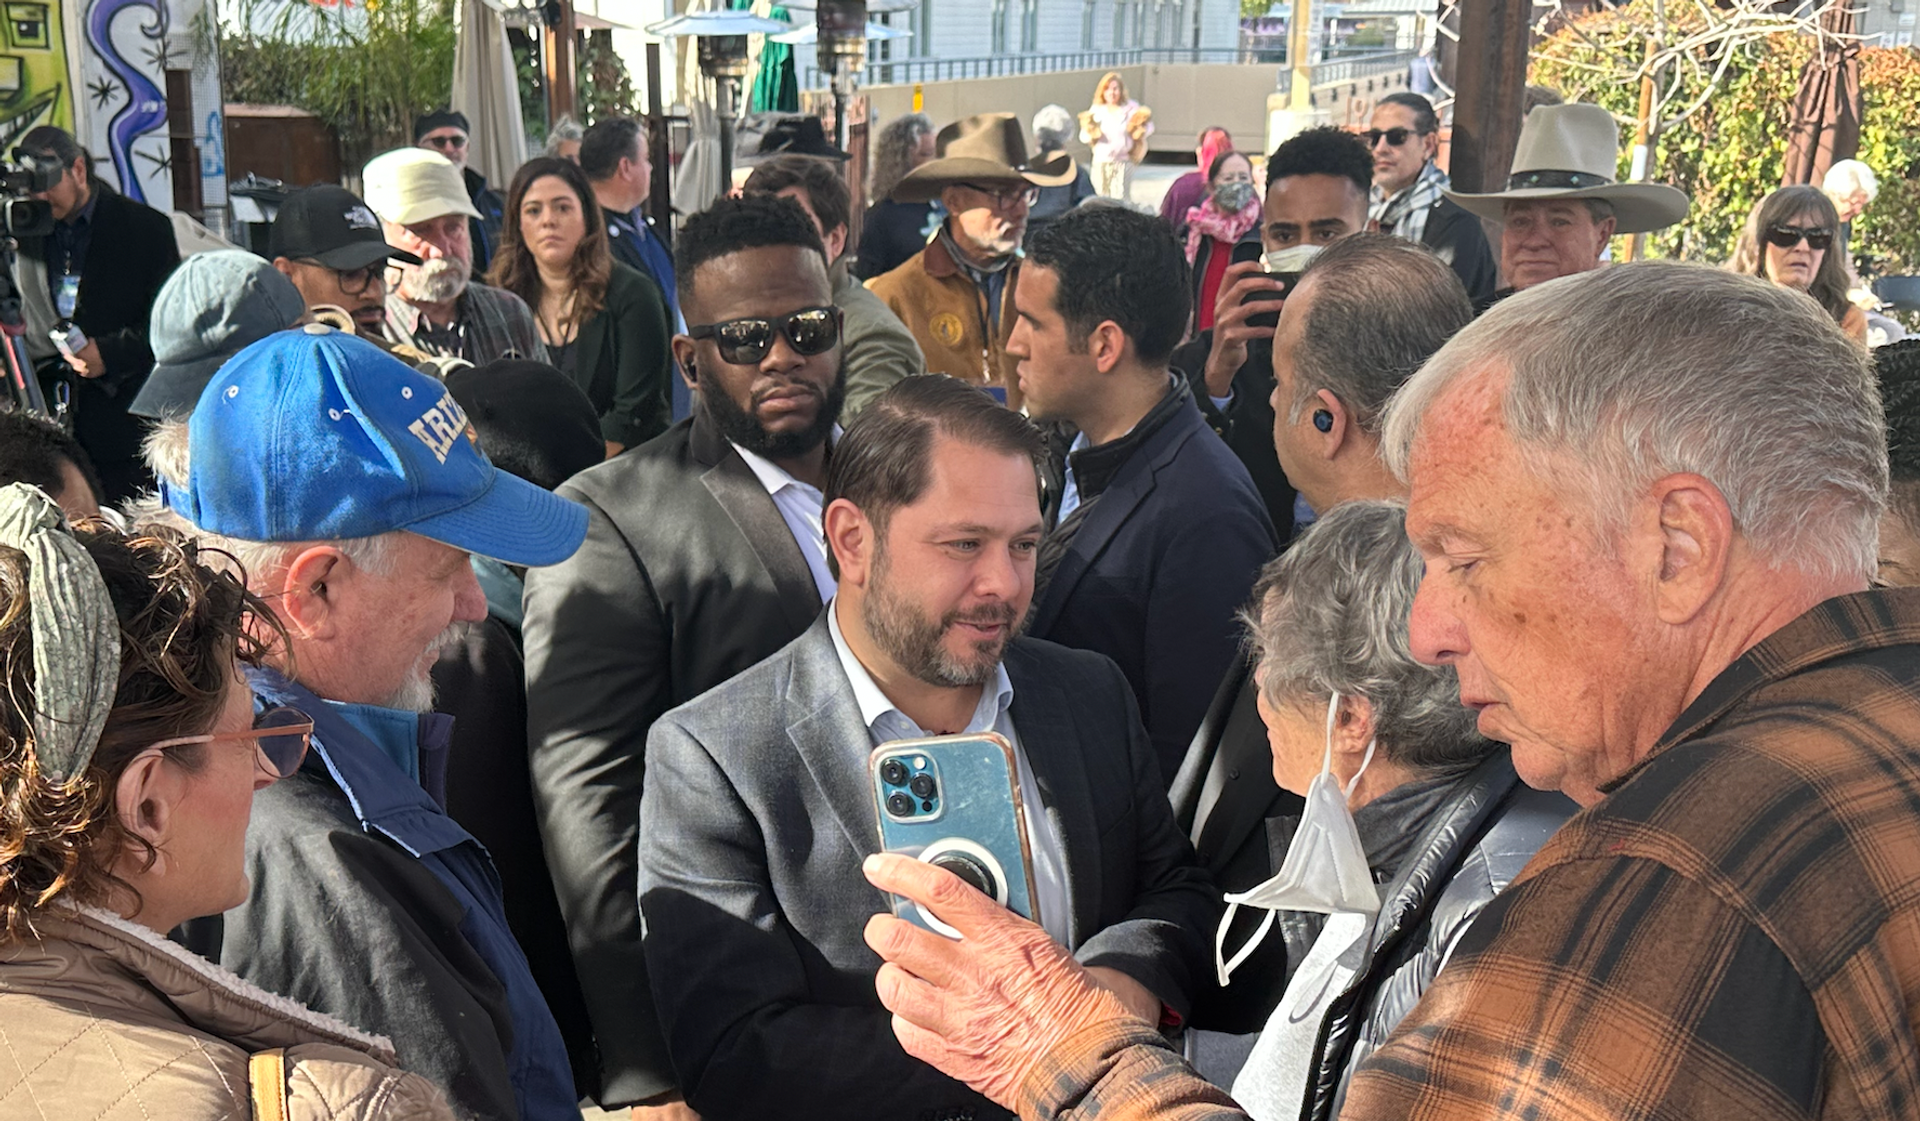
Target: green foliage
(1890,83)
(365,72)
(1255,9)
(602,85)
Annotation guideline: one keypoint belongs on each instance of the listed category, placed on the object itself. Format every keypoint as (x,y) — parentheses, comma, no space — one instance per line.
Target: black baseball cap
(333,226)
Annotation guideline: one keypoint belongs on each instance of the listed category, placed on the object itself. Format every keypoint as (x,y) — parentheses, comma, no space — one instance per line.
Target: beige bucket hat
(1572,152)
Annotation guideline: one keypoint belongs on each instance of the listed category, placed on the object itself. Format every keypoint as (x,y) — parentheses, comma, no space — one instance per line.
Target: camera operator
(1317,185)
(107,296)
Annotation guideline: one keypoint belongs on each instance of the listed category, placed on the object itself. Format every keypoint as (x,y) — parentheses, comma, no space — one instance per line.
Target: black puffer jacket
(1472,848)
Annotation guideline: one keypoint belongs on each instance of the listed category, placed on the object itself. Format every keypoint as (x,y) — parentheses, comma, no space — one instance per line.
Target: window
(1029,26)
(999,26)
(920,22)
(1087,8)
(1119,24)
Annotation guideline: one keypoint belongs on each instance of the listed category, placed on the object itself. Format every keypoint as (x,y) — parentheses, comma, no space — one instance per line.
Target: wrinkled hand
(670,1111)
(1231,332)
(87,362)
(983,1009)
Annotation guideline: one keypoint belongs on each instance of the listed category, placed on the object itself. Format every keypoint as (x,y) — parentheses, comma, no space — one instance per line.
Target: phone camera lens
(899,804)
(894,772)
(922,786)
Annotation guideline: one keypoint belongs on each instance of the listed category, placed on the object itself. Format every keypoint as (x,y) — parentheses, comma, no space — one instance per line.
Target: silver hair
(1848,176)
(1053,126)
(1623,375)
(893,152)
(167,455)
(566,128)
(1381,306)
(1330,615)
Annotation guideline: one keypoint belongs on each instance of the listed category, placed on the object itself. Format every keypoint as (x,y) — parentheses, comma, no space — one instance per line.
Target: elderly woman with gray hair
(1063,181)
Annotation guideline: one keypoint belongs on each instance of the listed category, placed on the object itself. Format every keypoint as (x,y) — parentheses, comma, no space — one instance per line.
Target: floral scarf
(1208,220)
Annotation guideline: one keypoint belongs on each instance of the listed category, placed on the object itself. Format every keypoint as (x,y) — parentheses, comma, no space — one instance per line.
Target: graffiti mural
(33,71)
(121,66)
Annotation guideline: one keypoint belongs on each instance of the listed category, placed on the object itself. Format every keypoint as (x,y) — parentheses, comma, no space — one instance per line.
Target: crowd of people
(1441,674)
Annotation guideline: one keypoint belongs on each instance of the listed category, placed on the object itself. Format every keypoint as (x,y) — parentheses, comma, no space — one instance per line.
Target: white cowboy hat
(1571,152)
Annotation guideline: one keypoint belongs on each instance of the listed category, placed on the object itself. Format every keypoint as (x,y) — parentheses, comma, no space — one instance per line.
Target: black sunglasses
(1786,237)
(1393,136)
(743,342)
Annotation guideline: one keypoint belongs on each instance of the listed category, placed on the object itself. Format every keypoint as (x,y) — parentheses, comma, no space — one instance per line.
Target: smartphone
(68,337)
(954,802)
(1271,319)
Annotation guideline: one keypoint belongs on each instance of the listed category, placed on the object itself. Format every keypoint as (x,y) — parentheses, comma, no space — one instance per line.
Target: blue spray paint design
(146,107)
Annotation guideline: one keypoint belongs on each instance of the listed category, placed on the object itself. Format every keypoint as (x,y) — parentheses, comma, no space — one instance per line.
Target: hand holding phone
(1243,291)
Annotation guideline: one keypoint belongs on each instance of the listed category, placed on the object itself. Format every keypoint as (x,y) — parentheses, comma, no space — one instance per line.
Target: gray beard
(436,282)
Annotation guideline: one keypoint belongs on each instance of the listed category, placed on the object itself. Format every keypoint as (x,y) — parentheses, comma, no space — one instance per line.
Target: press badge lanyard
(66,297)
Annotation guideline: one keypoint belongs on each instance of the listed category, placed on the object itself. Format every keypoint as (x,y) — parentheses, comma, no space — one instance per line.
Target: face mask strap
(1364,760)
(1226,965)
(1333,713)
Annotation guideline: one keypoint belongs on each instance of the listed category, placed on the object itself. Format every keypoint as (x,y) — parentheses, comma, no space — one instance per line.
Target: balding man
(1648,546)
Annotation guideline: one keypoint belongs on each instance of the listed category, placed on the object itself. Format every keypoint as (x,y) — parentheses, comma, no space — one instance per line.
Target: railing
(1336,67)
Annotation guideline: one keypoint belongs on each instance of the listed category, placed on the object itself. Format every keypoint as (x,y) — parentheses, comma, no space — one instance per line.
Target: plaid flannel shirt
(1733,931)
(492,323)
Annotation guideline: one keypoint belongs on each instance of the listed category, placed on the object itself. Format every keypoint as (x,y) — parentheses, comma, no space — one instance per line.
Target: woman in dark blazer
(605,325)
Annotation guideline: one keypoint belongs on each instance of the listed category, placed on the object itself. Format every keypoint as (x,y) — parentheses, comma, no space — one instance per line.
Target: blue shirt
(362,747)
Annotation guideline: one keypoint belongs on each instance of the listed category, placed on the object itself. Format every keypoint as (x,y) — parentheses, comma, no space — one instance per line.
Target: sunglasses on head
(1786,237)
(743,342)
(279,734)
(1393,136)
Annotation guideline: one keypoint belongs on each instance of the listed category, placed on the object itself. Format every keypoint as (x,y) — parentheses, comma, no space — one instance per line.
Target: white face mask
(1293,258)
(1325,869)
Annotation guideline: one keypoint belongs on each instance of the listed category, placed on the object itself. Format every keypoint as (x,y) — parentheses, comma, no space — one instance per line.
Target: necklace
(551,326)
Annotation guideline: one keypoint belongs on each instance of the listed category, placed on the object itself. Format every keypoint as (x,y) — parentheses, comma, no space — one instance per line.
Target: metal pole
(723,99)
(560,77)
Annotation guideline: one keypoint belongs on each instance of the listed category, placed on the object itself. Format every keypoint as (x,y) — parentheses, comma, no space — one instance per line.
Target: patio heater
(840,30)
(723,57)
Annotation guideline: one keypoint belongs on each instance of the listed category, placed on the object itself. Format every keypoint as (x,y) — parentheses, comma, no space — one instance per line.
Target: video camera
(28,174)
(21,215)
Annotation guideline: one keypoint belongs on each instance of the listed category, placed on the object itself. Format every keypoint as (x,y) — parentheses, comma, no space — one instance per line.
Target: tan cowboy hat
(986,150)
(1571,152)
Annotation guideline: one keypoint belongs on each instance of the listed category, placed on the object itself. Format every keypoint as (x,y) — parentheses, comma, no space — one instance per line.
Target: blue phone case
(953,801)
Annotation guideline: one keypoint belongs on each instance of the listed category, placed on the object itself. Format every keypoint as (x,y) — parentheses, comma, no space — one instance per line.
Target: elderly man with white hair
(347,488)
(1648,546)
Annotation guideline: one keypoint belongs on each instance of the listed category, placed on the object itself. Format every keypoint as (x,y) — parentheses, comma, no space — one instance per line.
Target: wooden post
(1300,56)
(1643,137)
(183,151)
(560,76)
(1491,91)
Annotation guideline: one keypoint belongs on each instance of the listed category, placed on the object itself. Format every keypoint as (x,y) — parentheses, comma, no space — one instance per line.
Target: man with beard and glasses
(704,554)
(344,485)
(760,812)
(435,306)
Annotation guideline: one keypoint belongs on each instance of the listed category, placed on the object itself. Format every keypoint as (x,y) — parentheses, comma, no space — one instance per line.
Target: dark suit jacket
(1157,573)
(1246,424)
(624,364)
(1461,241)
(130,255)
(1222,797)
(752,834)
(687,577)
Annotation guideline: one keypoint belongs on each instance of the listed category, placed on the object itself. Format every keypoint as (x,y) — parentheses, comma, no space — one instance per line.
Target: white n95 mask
(1292,259)
(1325,869)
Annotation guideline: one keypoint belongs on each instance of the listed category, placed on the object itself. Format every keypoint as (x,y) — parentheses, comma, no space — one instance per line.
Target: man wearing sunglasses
(347,487)
(956,294)
(1406,200)
(447,132)
(328,242)
(704,554)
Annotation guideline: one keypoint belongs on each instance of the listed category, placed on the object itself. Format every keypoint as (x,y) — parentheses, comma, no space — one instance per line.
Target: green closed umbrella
(775,88)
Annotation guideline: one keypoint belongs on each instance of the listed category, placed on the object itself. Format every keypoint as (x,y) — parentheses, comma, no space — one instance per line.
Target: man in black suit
(1156,530)
(107,294)
(1367,313)
(760,811)
(704,555)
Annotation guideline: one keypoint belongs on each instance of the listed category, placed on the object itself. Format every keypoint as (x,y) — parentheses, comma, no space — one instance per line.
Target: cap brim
(924,183)
(513,522)
(361,254)
(174,388)
(1638,208)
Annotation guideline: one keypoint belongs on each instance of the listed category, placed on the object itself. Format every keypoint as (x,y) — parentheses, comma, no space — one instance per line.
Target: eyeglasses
(454,141)
(280,736)
(743,342)
(1393,136)
(1786,237)
(1005,197)
(357,281)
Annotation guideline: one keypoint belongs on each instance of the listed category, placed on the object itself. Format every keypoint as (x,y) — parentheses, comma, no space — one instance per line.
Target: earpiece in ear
(1323,420)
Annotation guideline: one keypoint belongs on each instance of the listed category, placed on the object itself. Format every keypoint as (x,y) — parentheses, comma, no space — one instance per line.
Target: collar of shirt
(775,477)
(886,722)
(84,216)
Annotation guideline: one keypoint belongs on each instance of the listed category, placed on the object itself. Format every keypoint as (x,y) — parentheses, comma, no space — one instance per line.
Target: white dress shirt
(886,723)
(800,505)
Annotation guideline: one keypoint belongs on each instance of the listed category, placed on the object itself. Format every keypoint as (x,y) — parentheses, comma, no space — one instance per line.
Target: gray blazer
(756,817)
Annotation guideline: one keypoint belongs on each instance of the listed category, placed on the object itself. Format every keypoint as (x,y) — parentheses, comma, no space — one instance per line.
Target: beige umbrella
(487,90)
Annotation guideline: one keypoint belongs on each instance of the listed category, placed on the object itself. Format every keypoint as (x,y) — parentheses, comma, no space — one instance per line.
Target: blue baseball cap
(313,434)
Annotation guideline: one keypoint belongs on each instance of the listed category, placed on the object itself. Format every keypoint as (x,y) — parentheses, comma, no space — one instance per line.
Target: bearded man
(759,810)
(435,306)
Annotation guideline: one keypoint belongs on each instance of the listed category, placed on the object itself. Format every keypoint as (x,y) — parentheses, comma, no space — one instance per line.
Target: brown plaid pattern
(1734,932)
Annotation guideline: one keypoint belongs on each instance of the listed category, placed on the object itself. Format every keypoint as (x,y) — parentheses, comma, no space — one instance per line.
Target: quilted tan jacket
(100,1018)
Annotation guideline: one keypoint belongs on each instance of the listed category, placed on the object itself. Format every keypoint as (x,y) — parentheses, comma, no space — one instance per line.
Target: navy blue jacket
(1157,572)
(369,903)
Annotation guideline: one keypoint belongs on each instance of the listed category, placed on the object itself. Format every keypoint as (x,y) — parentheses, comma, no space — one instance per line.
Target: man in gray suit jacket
(703,556)
(759,811)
